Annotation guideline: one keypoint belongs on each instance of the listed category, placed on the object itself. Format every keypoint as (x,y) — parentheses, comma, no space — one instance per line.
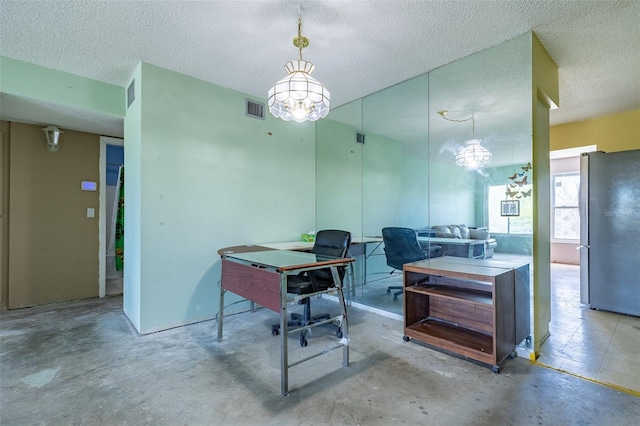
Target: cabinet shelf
(455,338)
(471,296)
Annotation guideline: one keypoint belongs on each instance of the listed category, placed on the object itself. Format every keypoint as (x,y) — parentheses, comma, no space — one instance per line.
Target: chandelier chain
(444,113)
(300,44)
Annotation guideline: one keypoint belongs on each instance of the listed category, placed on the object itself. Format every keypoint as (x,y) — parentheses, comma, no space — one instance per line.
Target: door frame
(102,220)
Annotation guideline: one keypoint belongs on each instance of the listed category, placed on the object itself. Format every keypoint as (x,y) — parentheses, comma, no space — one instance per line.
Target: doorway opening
(595,344)
(111,164)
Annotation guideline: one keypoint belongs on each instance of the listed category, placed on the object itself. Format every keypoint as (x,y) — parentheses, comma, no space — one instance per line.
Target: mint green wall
(339,176)
(452,195)
(382,184)
(415,183)
(132,212)
(360,187)
(210,177)
(33,81)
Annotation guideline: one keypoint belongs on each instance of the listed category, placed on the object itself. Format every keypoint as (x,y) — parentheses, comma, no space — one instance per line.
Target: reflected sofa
(464,232)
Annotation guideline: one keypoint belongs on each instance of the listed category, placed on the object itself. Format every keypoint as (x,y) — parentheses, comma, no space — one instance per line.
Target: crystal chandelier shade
(473,156)
(298,96)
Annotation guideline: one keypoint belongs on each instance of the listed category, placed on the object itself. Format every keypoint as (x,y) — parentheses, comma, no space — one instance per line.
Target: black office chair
(401,246)
(329,242)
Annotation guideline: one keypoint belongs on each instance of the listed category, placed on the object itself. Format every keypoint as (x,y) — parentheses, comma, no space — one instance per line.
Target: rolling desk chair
(333,243)
(401,246)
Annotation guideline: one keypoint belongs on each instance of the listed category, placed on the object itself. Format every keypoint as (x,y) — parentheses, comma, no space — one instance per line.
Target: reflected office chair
(401,245)
(329,242)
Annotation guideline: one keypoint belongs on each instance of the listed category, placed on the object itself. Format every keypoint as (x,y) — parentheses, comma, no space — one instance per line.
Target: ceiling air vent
(131,93)
(254,109)
(360,137)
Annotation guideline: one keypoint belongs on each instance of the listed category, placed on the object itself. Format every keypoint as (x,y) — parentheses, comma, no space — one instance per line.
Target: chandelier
(299,96)
(472,156)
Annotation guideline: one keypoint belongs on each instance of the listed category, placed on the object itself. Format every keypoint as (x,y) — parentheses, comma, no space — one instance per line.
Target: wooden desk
(358,248)
(472,307)
(260,273)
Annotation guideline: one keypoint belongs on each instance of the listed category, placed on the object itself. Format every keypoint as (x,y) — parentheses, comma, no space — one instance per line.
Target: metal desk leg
(351,287)
(221,313)
(345,323)
(284,337)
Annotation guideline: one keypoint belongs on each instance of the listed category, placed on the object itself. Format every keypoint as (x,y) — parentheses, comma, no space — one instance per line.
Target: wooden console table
(472,307)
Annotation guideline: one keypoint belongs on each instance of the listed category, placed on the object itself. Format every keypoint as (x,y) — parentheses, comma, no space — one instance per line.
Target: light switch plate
(91,212)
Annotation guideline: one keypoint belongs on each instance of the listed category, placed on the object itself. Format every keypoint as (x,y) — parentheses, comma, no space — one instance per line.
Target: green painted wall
(339,160)
(33,81)
(382,184)
(415,182)
(209,177)
(132,212)
(452,195)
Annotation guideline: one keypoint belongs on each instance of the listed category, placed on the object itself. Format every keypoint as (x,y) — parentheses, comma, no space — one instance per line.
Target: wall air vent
(254,109)
(131,93)
(360,137)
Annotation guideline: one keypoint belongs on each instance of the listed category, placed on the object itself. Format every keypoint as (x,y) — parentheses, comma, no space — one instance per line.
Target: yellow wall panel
(610,133)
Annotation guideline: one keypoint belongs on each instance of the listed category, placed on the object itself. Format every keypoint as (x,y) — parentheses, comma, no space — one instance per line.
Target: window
(565,214)
(522,224)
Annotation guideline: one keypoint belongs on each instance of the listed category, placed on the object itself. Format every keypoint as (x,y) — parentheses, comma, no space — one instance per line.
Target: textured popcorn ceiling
(358,47)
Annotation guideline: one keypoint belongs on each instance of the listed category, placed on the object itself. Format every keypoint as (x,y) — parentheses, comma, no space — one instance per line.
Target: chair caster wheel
(405,338)
(339,333)
(388,291)
(528,339)
(275,331)
(496,369)
(303,341)
(513,355)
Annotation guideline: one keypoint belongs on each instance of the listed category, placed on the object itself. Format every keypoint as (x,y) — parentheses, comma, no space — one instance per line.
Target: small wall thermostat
(88,185)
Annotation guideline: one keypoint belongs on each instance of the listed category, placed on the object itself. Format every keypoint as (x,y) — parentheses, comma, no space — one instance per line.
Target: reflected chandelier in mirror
(472,156)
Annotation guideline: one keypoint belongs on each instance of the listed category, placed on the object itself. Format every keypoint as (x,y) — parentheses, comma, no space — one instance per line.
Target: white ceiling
(358,47)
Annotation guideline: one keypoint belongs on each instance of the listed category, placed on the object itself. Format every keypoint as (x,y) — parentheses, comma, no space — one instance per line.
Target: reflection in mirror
(405,172)
(339,170)
(495,87)
(394,180)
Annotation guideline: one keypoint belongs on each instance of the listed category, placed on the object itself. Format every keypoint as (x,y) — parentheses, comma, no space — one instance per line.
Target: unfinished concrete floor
(82,363)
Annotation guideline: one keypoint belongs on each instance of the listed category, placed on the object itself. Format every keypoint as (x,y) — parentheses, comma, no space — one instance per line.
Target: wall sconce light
(53,136)
(472,156)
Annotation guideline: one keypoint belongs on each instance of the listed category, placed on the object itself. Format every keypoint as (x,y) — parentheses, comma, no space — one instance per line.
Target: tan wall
(4,181)
(53,245)
(611,133)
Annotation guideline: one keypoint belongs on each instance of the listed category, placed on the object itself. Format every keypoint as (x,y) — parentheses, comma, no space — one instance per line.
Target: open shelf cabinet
(467,308)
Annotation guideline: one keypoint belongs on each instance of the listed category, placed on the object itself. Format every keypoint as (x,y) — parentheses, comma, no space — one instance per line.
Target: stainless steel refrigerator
(610,231)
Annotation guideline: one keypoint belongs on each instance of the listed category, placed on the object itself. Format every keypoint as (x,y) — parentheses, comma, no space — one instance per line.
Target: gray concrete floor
(82,363)
(597,345)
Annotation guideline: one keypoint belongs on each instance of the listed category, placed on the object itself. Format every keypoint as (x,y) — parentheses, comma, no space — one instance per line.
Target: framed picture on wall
(510,208)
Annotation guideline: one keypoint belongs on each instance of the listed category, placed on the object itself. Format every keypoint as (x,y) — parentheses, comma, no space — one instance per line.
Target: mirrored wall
(389,160)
